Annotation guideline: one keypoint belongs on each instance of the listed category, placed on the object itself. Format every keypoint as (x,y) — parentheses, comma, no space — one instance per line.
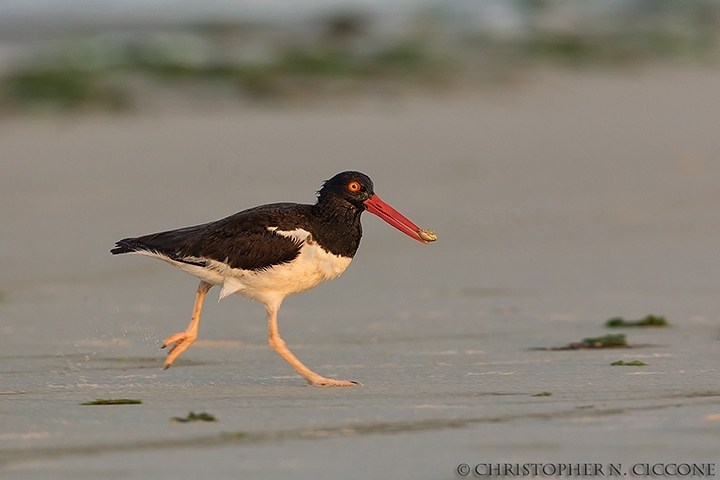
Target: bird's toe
(329,382)
(178,343)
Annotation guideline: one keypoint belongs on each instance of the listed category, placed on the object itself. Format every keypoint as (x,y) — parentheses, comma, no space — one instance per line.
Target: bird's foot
(180,342)
(329,382)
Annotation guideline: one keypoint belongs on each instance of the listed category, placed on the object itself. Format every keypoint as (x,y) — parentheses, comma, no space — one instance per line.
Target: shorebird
(269,252)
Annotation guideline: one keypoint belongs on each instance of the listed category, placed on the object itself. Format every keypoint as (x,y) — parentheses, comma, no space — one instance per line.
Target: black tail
(128,245)
(174,244)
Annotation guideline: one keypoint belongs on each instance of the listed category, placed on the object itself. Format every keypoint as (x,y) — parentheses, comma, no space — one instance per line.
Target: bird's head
(352,187)
(356,190)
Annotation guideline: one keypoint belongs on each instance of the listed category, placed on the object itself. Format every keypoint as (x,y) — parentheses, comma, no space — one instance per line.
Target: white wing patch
(299,235)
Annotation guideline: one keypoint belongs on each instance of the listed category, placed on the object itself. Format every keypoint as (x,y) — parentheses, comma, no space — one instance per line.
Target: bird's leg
(183,340)
(278,344)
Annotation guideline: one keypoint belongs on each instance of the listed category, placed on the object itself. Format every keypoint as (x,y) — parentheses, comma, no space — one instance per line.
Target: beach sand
(559,203)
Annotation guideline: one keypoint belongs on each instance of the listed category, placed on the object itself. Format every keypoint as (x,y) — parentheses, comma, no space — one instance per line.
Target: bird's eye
(353,187)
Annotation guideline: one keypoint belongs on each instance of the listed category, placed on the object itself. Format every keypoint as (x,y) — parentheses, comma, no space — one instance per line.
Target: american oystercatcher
(269,252)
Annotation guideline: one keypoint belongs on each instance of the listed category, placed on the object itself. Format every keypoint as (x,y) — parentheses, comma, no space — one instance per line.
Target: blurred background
(125,55)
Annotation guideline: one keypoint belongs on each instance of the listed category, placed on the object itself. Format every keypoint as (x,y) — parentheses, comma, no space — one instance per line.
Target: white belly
(312,266)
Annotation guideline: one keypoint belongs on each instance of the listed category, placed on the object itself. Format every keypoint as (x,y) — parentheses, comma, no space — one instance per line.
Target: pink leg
(278,344)
(183,340)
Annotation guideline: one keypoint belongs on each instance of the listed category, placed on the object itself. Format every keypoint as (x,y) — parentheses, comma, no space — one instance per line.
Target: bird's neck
(337,226)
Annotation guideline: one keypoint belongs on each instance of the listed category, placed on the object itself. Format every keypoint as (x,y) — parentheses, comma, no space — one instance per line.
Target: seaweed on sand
(606,341)
(647,321)
(194,417)
(113,401)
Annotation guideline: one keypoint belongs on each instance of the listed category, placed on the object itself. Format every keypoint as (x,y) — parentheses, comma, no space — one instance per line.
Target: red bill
(377,207)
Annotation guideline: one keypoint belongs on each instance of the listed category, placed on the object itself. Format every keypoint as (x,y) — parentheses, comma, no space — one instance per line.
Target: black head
(352,187)
(348,194)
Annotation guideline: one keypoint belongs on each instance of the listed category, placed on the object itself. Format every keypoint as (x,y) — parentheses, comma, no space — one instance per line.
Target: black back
(243,240)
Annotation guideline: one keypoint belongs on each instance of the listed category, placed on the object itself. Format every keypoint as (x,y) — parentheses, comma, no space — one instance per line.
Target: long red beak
(393,217)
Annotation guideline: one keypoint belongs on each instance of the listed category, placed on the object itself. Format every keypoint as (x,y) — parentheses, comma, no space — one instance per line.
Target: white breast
(312,266)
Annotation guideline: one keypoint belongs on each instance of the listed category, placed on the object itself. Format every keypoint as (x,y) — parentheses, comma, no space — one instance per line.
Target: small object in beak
(427,235)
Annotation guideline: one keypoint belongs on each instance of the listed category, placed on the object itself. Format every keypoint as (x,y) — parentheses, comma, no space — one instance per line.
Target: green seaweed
(634,363)
(113,401)
(647,321)
(606,341)
(543,394)
(193,417)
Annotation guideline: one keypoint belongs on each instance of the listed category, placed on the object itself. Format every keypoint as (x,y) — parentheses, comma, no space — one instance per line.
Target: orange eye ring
(353,187)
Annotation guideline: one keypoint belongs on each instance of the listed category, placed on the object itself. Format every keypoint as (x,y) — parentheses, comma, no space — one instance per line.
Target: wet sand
(558,203)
